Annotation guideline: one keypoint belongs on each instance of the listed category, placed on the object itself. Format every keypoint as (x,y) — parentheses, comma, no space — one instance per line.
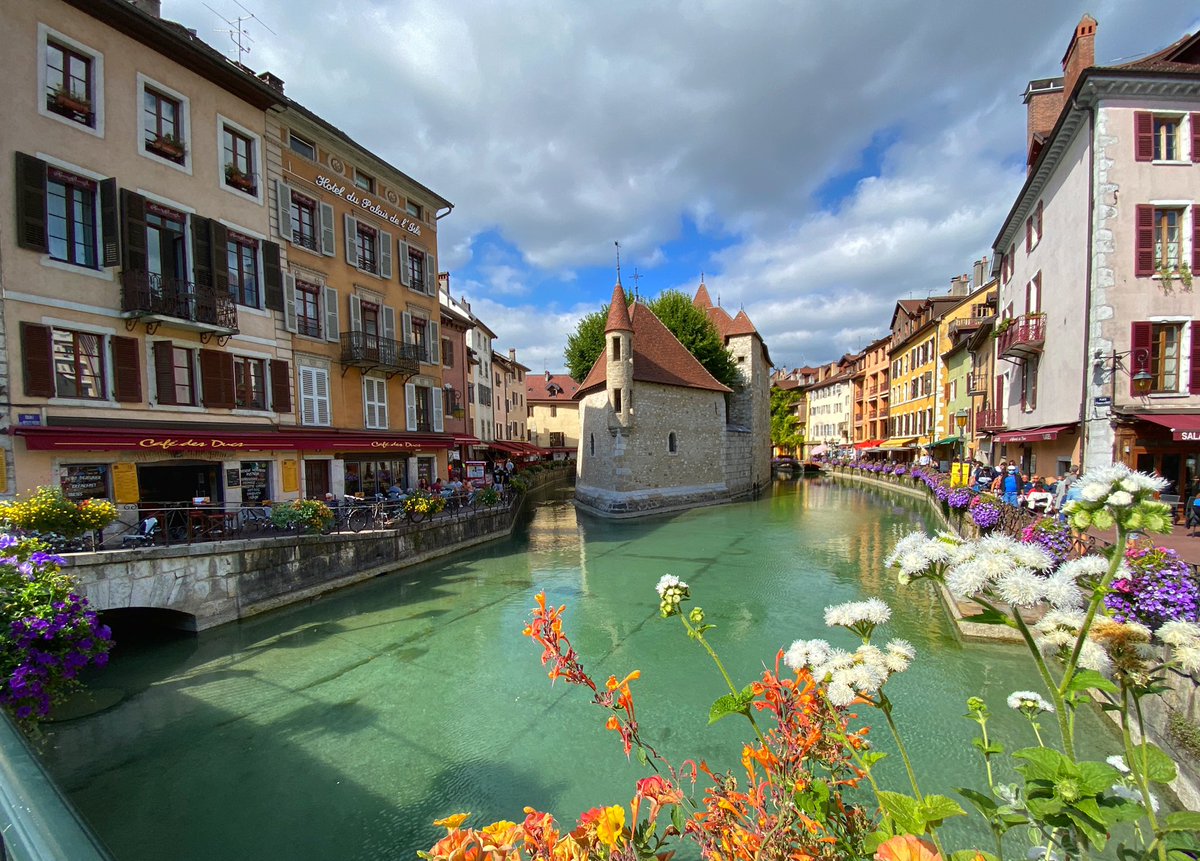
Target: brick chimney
(1043,103)
(1081,53)
(271,80)
(444,282)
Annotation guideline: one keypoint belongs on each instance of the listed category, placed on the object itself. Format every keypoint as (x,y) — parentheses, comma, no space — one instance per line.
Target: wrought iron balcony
(369,352)
(156,298)
(977,383)
(1023,337)
(990,420)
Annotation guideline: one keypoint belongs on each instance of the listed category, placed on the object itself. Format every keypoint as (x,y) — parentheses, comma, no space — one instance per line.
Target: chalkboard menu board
(85,481)
(256,484)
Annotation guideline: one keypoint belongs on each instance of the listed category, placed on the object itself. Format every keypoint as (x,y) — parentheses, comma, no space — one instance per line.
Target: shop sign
(179,443)
(29,419)
(1103,401)
(1188,436)
(396,443)
(371,206)
(125,483)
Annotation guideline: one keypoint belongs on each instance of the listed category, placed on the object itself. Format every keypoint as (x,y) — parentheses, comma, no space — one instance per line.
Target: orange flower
(451,823)
(456,846)
(610,825)
(500,836)
(906,847)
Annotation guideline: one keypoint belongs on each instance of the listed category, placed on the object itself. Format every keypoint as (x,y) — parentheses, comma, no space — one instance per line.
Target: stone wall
(739,461)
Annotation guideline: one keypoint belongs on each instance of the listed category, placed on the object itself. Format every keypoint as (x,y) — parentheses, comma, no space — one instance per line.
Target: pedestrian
(1011,486)
(509,468)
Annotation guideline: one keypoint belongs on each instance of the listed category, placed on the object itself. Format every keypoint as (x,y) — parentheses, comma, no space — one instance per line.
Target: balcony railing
(973,322)
(368,351)
(150,296)
(977,383)
(990,419)
(1023,337)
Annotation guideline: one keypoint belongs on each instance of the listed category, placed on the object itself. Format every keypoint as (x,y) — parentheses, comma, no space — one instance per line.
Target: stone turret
(618,347)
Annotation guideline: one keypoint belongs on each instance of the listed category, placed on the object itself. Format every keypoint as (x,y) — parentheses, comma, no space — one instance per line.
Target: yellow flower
(611,824)
(452,822)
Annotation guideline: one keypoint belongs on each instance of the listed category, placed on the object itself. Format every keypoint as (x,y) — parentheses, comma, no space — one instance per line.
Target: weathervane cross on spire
(618,244)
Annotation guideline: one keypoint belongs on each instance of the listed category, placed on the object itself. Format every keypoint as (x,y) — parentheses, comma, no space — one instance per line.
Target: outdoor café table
(207,524)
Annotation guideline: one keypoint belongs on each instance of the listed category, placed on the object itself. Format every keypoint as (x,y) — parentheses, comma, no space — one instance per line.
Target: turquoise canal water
(342,728)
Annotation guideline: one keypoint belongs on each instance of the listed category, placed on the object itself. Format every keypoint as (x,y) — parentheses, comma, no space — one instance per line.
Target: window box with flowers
(167,146)
(65,101)
(239,179)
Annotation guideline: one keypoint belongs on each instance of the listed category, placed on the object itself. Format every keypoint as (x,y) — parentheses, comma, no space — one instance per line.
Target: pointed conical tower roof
(618,312)
(701,300)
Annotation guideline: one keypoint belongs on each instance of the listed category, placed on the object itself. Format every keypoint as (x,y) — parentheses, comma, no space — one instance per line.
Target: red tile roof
(618,312)
(1182,56)
(740,325)
(726,326)
(658,357)
(550,388)
(701,300)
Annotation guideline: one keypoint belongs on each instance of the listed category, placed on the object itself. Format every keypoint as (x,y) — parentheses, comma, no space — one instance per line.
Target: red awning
(871,443)
(173,441)
(509,447)
(460,439)
(1182,426)
(1041,434)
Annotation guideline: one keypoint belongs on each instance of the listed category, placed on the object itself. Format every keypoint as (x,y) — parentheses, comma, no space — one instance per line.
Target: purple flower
(959,498)
(985,515)
(1162,588)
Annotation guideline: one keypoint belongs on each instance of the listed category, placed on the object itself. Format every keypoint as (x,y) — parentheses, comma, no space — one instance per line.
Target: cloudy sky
(814,160)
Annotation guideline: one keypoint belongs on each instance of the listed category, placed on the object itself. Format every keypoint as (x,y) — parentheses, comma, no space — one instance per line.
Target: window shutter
(272,278)
(389,323)
(216,378)
(283,209)
(1143,253)
(127,373)
(1194,122)
(1029,233)
(31,203)
(202,238)
(404,267)
(1195,239)
(289,302)
(321,394)
(1143,136)
(385,254)
(436,394)
(406,327)
(1140,342)
(37,354)
(308,401)
(1033,383)
(164,372)
(110,224)
(327,231)
(355,313)
(133,231)
(410,406)
(351,240)
(281,386)
(431,281)
(1194,378)
(1038,220)
(435,344)
(333,329)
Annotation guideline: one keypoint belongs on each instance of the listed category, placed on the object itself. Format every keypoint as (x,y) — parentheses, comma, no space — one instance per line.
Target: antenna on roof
(618,244)
(237,32)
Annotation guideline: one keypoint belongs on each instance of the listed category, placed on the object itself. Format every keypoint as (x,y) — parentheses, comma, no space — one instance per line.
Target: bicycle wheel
(357,520)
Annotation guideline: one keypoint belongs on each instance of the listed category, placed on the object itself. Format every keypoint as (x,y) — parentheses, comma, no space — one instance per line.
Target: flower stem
(698,637)
(1142,764)
(885,706)
(1118,552)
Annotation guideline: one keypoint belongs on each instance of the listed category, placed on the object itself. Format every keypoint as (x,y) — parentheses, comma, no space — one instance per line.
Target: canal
(343,727)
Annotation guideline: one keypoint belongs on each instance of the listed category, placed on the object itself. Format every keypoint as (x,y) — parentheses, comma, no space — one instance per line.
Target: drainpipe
(1084,421)
(439,215)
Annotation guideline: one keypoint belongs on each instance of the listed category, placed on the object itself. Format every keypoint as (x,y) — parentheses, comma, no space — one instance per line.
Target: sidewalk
(1178,540)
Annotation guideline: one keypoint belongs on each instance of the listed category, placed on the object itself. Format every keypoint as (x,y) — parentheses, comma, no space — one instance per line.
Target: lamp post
(960,419)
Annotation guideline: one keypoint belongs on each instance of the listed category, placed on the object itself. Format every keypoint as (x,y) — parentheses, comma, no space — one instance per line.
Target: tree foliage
(785,425)
(685,321)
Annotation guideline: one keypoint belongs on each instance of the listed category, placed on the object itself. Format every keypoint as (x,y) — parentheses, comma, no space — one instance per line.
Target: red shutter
(1143,136)
(216,379)
(1195,239)
(1029,233)
(1194,379)
(1194,120)
(1140,341)
(164,372)
(1038,216)
(127,372)
(281,386)
(39,364)
(1143,250)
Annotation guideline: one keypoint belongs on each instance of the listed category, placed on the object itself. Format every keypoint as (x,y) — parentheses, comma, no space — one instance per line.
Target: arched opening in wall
(592,444)
(136,625)
(672,443)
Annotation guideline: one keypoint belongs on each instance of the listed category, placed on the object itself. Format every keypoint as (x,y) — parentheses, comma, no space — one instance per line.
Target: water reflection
(342,728)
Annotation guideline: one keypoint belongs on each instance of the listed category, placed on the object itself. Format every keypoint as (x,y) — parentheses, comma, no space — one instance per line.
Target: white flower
(872,611)
(1084,566)
(900,654)
(1178,632)
(1031,556)
(1188,658)
(1029,702)
(1120,498)
(667,581)
(1062,592)
(1131,794)
(1093,657)
(1118,762)
(1021,588)
(1094,492)
(841,694)
(806,653)
(965,579)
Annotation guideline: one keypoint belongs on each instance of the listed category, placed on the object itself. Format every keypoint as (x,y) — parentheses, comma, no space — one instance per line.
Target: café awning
(1181,425)
(871,443)
(950,440)
(898,443)
(1038,434)
(221,440)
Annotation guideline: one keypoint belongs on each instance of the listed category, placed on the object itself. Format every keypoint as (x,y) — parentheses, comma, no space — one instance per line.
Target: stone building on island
(654,424)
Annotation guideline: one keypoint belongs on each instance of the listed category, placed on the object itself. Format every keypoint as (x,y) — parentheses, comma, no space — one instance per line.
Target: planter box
(242,183)
(70,103)
(166,149)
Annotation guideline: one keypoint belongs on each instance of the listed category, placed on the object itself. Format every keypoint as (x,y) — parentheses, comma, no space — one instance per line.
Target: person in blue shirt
(1010,485)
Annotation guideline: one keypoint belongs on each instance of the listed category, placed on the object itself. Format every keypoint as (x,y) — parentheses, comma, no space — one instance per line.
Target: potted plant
(238,178)
(168,146)
(67,100)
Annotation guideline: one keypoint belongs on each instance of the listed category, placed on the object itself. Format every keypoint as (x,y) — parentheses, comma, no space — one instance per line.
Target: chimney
(1043,104)
(547,376)
(960,285)
(512,355)
(444,283)
(981,272)
(1081,53)
(273,81)
(153,8)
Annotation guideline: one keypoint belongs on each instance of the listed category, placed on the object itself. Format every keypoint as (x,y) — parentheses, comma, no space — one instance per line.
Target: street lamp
(960,419)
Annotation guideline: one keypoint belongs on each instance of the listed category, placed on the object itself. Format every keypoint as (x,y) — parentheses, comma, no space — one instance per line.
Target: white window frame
(46,33)
(185,110)
(311,143)
(259,195)
(373,406)
(1183,141)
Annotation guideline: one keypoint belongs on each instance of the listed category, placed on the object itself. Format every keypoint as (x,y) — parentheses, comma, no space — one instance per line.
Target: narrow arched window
(592,445)
(672,444)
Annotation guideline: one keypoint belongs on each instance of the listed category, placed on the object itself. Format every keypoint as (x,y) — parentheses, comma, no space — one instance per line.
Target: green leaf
(731,705)
(1097,777)
(1159,767)
(1183,820)
(989,749)
(935,809)
(678,819)
(1042,763)
(642,758)
(872,756)
(982,803)
(903,811)
(990,617)
(1085,680)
